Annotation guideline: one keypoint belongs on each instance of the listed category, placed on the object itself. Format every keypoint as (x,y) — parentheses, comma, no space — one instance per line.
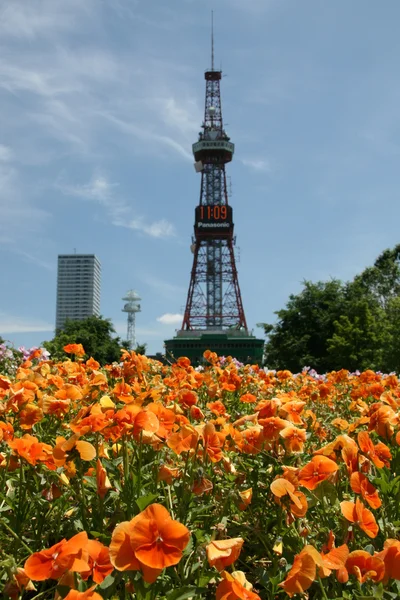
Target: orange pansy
(102,481)
(76,349)
(361,485)
(248,398)
(235,587)
(90,594)
(245,497)
(364,566)
(358,514)
(184,440)
(71,555)
(301,575)
(317,470)
(294,439)
(99,562)
(151,541)
(222,553)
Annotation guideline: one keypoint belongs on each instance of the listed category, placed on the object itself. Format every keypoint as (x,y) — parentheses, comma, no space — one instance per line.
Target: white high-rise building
(78,287)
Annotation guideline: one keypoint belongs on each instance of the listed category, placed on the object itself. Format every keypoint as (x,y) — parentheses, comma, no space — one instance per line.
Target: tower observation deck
(214,316)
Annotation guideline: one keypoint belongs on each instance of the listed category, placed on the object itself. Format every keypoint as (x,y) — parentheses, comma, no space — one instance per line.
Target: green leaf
(107,582)
(144,501)
(63,590)
(326,490)
(185,592)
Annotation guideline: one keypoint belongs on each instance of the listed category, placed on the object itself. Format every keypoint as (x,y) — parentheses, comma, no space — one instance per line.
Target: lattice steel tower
(214,316)
(214,300)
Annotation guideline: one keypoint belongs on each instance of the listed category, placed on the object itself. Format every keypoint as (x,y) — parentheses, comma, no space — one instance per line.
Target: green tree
(96,334)
(381,281)
(359,335)
(331,325)
(300,336)
(141,349)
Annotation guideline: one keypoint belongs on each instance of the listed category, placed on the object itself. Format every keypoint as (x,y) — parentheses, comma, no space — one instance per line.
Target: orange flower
(168,474)
(187,398)
(391,557)
(217,407)
(317,470)
(379,454)
(71,555)
(222,553)
(6,431)
(248,398)
(99,562)
(361,485)
(364,566)
(90,594)
(103,483)
(166,418)
(292,411)
(76,349)
(151,541)
(293,439)
(302,573)
(20,582)
(122,391)
(334,560)
(245,497)
(382,421)
(272,426)
(213,442)
(184,440)
(202,486)
(281,487)
(361,516)
(29,448)
(60,452)
(55,406)
(196,413)
(235,587)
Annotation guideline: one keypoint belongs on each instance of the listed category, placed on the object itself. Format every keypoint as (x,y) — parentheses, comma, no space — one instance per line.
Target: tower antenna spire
(212,40)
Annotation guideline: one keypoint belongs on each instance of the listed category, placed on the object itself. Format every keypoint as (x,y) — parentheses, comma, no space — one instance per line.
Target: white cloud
(164,288)
(13,324)
(170,319)
(258,164)
(100,190)
(21,19)
(158,229)
(18,215)
(6,153)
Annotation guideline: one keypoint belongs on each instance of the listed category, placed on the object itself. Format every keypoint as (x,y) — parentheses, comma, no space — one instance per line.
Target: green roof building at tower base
(232,342)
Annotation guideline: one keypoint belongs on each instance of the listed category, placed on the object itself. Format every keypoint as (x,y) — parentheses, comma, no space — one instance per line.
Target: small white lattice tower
(131,307)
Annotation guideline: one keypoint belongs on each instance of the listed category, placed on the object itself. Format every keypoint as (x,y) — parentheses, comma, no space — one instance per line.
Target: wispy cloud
(261,165)
(170,319)
(21,19)
(6,153)
(18,216)
(168,290)
(100,190)
(157,229)
(15,324)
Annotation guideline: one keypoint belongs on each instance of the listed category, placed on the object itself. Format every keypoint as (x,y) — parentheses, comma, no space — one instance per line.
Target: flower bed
(167,482)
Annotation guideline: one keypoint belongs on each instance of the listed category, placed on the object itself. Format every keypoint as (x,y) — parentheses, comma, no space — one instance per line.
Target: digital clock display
(213,219)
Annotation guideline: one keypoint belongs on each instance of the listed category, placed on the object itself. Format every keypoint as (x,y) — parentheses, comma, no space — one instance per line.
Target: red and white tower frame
(214,301)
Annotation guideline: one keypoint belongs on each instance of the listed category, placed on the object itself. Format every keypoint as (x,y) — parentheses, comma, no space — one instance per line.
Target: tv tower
(131,307)
(214,316)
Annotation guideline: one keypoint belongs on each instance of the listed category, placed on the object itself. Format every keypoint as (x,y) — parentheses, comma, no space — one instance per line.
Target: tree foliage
(97,336)
(333,325)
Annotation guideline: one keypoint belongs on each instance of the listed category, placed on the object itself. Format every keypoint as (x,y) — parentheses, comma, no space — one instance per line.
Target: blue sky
(100,102)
